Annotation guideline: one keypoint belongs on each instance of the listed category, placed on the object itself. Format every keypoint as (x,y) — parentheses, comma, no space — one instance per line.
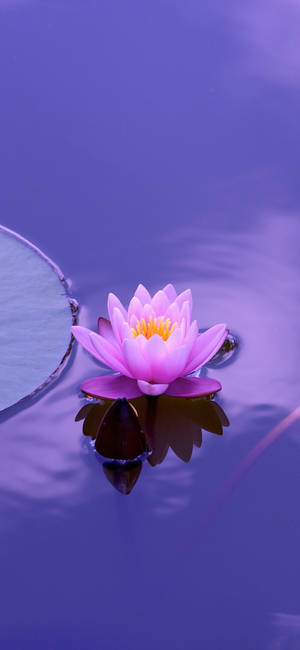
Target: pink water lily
(152,346)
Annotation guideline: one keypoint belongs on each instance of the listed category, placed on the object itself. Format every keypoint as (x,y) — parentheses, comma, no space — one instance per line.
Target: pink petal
(100,348)
(173,313)
(174,340)
(191,335)
(117,323)
(82,335)
(105,329)
(147,312)
(126,332)
(132,320)
(170,292)
(193,387)
(206,345)
(171,366)
(113,302)
(183,297)
(185,313)
(109,355)
(135,361)
(151,389)
(142,294)
(111,387)
(135,308)
(182,329)
(141,342)
(155,351)
(160,303)
(177,338)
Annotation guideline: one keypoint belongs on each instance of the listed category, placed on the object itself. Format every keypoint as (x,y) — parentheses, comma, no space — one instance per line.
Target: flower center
(154,326)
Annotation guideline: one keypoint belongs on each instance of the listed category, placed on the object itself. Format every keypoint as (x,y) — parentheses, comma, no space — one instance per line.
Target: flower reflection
(129,432)
(120,435)
(123,477)
(177,424)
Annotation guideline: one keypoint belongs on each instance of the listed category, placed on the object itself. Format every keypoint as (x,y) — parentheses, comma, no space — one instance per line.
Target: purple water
(157,143)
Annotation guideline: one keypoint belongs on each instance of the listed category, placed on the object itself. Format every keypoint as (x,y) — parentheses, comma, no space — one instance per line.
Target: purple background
(156,142)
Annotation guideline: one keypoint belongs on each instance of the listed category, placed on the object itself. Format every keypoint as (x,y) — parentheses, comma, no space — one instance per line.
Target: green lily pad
(36,315)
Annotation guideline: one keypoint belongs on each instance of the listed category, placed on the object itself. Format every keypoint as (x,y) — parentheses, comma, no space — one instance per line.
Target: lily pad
(35,319)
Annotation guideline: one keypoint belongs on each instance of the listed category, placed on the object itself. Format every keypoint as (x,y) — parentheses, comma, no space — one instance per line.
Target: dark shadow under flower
(147,427)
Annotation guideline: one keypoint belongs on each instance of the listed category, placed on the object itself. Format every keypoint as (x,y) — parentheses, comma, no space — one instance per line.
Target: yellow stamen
(154,326)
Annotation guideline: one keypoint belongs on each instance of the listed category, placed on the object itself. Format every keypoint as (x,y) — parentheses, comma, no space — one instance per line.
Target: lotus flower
(152,346)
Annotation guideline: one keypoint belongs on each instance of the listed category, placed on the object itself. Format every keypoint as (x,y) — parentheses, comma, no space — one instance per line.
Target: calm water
(157,142)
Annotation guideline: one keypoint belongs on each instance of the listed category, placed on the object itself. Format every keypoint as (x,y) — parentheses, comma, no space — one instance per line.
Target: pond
(157,143)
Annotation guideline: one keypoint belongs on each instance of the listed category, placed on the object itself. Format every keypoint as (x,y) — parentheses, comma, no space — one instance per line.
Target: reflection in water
(226,353)
(128,432)
(120,435)
(91,414)
(123,477)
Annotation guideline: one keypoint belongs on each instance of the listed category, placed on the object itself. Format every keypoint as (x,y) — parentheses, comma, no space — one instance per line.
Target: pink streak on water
(254,455)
